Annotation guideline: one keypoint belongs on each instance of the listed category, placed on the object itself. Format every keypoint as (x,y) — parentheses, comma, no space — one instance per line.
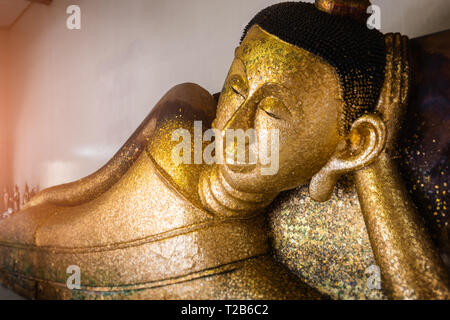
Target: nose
(244,116)
(243,119)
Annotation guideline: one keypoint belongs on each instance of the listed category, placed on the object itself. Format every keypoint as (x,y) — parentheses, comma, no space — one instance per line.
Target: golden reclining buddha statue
(145,227)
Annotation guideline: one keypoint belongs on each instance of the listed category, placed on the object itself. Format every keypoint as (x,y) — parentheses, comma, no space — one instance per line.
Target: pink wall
(5,130)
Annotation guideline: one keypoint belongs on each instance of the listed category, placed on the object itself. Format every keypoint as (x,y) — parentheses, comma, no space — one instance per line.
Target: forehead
(265,58)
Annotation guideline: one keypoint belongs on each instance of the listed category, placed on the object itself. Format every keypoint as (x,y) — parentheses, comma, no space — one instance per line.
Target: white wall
(78,95)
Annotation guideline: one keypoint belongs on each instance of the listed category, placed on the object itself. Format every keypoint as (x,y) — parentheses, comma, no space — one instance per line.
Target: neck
(221,199)
(411,268)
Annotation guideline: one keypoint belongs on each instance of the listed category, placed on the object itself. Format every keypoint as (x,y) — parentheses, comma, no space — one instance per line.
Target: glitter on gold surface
(326,244)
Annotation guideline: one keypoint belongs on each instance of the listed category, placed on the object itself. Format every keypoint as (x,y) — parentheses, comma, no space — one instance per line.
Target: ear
(360,148)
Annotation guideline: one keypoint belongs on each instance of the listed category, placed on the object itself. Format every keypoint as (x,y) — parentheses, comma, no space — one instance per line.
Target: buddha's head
(315,78)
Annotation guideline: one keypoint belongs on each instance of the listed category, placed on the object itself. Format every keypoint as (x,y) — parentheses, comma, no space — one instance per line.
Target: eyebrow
(236,53)
(238,56)
(238,60)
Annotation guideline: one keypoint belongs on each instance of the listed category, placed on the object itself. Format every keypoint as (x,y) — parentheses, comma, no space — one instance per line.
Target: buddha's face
(273,85)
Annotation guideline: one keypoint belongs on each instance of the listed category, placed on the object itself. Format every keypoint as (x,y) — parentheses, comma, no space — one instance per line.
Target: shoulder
(179,109)
(187,98)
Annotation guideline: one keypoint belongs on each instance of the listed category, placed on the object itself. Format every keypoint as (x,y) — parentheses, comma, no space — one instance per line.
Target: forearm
(410,266)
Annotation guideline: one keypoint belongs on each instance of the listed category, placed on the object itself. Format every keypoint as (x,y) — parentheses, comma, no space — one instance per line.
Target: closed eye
(271,115)
(237,92)
(274,108)
(239,85)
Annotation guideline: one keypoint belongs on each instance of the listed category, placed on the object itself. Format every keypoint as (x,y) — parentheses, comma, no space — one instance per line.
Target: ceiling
(10,10)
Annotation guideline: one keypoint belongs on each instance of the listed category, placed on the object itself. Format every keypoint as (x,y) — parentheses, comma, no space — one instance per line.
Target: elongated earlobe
(362,146)
(322,185)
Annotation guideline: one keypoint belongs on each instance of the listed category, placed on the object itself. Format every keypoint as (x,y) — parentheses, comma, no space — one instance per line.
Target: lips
(234,175)
(245,167)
